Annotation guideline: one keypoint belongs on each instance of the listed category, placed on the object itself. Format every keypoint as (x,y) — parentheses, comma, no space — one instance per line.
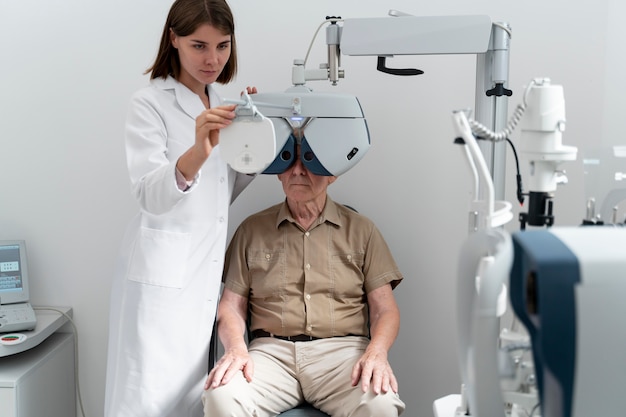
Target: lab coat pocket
(159,258)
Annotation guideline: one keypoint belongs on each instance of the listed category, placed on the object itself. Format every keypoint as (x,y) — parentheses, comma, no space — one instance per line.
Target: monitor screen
(13,272)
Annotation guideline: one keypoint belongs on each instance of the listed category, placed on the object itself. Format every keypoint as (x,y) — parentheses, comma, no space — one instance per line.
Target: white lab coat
(167,282)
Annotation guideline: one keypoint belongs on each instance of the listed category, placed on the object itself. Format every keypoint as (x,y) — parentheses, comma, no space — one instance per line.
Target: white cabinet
(40,382)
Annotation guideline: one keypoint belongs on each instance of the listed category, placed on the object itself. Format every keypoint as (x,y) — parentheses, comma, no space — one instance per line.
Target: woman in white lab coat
(167,281)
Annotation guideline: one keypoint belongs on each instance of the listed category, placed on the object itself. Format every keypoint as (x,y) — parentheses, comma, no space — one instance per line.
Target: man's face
(300,185)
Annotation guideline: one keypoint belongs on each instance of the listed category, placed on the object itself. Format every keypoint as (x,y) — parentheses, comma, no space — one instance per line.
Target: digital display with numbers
(10,271)
(9,266)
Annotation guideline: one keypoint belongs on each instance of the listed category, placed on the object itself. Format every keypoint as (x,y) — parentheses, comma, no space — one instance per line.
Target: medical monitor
(13,272)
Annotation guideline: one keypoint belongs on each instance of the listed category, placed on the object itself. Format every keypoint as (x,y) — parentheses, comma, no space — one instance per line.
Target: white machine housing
(330,129)
(567,287)
(542,130)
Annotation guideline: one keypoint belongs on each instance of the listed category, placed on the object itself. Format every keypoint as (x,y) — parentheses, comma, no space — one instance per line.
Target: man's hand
(374,370)
(233,361)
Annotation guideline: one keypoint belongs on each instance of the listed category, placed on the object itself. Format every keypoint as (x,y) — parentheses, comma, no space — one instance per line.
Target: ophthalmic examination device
(332,132)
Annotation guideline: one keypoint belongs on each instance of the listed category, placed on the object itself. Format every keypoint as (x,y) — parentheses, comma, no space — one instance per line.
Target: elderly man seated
(312,280)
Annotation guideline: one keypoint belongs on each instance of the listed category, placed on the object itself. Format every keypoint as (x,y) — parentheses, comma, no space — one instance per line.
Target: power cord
(518,176)
(71,321)
(484,133)
(535,408)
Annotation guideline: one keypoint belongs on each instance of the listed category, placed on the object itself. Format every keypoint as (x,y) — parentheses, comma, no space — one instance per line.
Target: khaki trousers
(288,373)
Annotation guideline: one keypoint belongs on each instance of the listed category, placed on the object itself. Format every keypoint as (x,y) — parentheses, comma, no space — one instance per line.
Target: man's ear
(331,180)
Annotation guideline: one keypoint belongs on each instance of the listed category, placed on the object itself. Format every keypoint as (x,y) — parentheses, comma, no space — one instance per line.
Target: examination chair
(303,410)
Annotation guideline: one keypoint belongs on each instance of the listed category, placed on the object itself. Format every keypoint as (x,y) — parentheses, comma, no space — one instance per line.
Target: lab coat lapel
(186,99)
(189,101)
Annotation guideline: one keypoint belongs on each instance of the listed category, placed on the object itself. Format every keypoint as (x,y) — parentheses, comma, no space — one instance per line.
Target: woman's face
(203,55)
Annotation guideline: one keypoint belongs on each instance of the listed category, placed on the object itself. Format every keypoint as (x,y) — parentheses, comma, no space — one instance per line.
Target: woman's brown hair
(184,18)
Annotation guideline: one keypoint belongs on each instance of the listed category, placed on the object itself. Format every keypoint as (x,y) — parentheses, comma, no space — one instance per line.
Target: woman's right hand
(208,125)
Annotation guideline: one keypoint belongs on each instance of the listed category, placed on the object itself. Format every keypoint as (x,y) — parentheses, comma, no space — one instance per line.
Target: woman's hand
(211,121)
(250,90)
(208,125)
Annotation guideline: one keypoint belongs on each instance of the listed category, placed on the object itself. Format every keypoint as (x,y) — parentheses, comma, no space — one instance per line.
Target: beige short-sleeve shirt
(311,282)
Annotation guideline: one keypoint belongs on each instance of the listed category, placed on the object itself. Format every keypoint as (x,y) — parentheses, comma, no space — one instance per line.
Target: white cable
(80,399)
(332,20)
(486,133)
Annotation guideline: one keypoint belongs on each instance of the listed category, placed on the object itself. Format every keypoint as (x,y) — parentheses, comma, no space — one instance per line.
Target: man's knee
(222,402)
(388,405)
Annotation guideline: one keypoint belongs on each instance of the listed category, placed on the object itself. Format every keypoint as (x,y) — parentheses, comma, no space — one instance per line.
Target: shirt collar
(329,214)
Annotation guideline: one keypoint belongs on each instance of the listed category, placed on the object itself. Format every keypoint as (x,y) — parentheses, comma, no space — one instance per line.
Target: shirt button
(268,256)
(307,234)
(222,179)
(308,266)
(221,220)
(349,257)
(308,296)
(309,328)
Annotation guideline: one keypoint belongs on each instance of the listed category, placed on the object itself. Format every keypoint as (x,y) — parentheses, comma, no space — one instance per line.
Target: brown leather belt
(296,338)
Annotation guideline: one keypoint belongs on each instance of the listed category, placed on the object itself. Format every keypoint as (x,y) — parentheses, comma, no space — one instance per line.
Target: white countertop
(48,322)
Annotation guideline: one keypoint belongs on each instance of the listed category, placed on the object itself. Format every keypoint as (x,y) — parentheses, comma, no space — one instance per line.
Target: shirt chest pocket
(347,274)
(267,271)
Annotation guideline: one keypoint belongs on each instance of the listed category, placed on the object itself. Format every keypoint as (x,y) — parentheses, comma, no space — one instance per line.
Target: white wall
(68,68)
